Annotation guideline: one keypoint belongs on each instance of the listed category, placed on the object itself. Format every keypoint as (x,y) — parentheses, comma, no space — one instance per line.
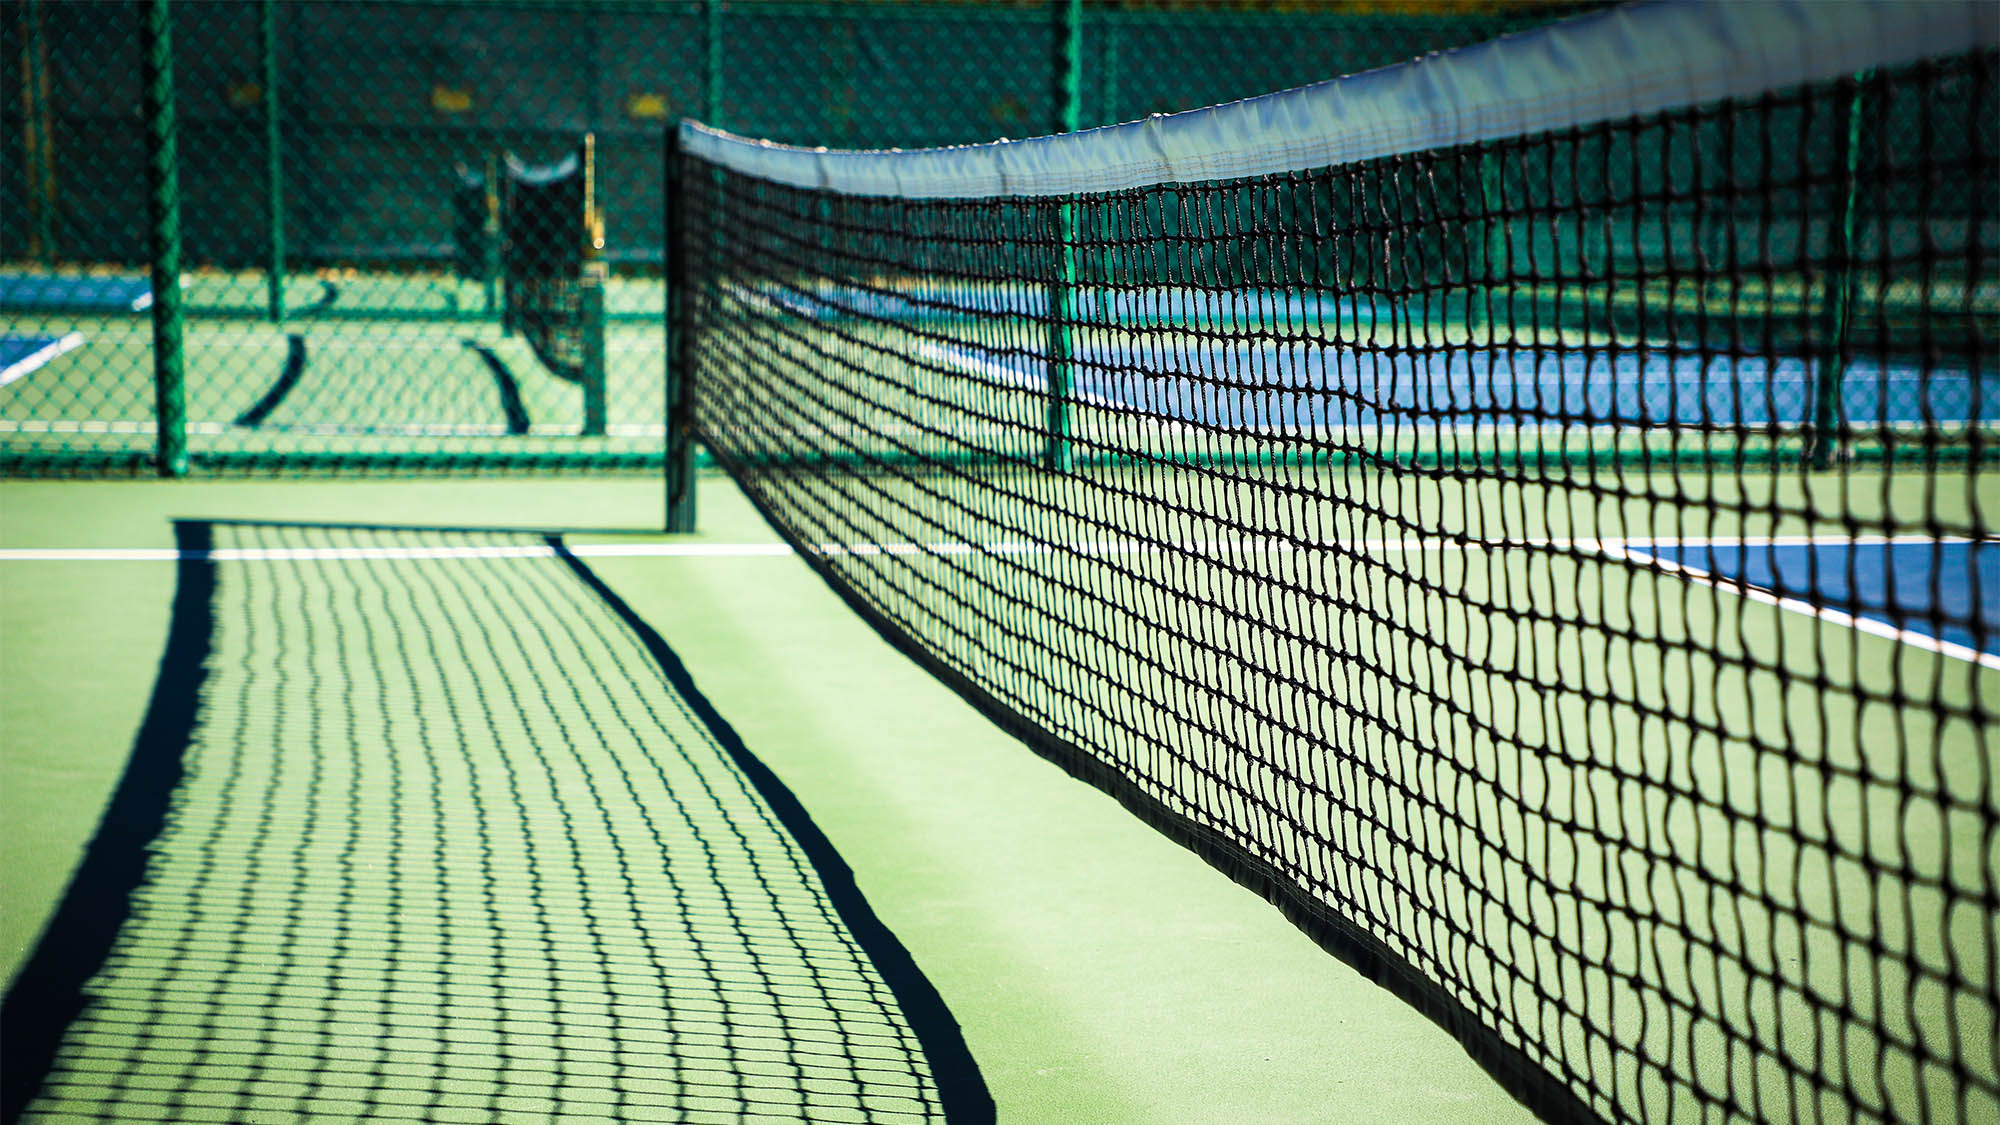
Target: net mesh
(545,221)
(503,864)
(1557,570)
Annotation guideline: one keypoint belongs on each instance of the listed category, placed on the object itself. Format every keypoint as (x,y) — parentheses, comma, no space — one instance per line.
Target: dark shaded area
(329,294)
(508,387)
(961,1089)
(295,368)
(47,993)
(512,858)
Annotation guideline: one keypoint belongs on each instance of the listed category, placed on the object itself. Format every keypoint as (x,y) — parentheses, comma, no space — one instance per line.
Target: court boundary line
(1634,550)
(35,360)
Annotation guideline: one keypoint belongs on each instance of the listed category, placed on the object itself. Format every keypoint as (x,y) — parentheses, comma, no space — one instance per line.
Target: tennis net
(546,214)
(1527,512)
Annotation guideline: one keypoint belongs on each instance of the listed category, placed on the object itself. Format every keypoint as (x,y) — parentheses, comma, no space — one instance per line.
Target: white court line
(1868,625)
(39,356)
(392,430)
(966,361)
(1633,550)
(345,554)
(417,339)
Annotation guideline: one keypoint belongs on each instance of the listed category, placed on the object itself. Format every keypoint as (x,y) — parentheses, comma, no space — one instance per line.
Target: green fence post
(1109,29)
(711,62)
(1837,298)
(490,239)
(1069,41)
(163,183)
(274,162)
(591,289)
(38,135)
(680,347)
(1495,266)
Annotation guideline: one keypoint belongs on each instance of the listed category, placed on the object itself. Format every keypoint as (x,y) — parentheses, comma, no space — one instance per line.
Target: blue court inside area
(83,293)
(1936,588)
(1306,386)
(1272,361)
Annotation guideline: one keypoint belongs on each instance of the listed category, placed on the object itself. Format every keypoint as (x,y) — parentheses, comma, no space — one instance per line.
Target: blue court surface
(20,355)
(1939,588)
(44,292)
(1301,387)
(1324,362)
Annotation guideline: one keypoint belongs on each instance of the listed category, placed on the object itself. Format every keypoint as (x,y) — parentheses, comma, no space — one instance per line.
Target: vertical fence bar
(1110,28)
(1837,296)
(1069,57)
(38,143)
(711,62)
(163,184)
(591,285)
(680,345)
(489,244)
(501,209)
(274,162)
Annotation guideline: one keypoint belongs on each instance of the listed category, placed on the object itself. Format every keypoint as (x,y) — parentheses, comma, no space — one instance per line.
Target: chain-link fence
(242,233)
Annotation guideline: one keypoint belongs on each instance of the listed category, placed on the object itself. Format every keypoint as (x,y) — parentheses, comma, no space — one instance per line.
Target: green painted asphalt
(1099,972)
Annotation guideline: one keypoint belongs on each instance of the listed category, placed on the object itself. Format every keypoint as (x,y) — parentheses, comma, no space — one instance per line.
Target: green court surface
(1097,971)
(313,387)
(411,367)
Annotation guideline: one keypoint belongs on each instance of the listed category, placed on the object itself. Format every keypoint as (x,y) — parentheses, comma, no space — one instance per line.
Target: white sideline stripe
(1635,550)
(417,339)
(1256,546)
(39,357)
(394,430)
(1630,60)
(1007,376)
(367,554)
(1834,616)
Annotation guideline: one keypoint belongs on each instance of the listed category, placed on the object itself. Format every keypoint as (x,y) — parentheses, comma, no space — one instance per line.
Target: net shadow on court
(429,825)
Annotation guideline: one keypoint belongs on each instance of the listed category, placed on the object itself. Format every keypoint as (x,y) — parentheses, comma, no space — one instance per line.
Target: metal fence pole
(38,137)
(711,62)
(274,162)
(1837,297)
(1069,58)
(163,183)
(592,283)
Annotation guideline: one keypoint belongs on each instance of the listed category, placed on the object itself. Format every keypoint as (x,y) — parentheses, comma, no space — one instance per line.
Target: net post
(679,453)
(274,162)
(1837,295)
(163,198)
